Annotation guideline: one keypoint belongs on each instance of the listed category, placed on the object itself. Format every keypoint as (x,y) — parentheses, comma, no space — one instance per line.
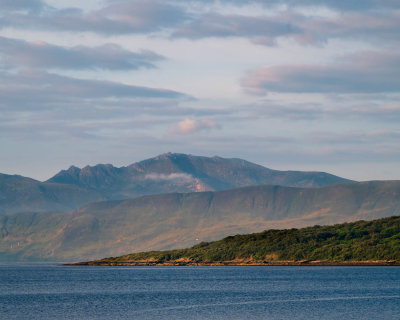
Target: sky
(292,85)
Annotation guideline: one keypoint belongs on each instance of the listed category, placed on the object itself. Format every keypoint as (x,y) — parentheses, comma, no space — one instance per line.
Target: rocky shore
(239,262)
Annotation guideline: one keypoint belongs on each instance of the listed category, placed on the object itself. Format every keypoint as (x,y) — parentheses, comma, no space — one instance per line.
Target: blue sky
(292,85)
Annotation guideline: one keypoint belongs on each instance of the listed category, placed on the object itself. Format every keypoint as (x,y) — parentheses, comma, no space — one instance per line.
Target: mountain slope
(19,194)
(179,220)
(173,172)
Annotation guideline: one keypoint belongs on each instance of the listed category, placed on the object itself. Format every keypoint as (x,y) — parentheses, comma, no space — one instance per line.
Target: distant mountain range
(169,172)
(179,220)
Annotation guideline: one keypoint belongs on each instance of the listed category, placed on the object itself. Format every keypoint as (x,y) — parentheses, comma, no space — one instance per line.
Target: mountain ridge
(169,172)
(186,173)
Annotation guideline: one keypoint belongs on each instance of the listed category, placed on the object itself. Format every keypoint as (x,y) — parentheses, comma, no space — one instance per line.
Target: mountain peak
(169,155)
(73,168)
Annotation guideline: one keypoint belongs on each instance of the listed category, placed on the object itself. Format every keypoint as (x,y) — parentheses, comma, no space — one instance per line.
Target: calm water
(58,292)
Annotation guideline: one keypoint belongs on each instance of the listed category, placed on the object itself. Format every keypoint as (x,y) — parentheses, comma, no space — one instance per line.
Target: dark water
(58,292)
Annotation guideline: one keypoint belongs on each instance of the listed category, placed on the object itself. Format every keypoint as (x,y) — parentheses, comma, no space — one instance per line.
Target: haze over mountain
(177,220)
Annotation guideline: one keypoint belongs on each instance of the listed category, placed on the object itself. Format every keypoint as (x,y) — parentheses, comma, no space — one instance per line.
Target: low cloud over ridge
(168,177)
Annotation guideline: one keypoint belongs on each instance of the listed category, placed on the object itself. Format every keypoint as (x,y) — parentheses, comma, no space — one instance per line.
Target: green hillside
(357,241)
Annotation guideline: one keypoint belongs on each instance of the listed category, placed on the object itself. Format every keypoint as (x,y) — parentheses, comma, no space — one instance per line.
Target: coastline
(182,262)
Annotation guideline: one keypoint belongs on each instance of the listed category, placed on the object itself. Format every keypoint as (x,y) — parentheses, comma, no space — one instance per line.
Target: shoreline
(176,263)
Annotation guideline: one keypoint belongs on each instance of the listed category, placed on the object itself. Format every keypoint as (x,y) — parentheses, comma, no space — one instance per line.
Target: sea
(87,292)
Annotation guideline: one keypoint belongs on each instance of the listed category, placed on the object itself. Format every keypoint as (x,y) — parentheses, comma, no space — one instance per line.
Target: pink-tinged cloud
(189,126)
(367,72)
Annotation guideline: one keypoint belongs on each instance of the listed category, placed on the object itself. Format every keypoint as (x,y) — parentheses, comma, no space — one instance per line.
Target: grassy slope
(357,241)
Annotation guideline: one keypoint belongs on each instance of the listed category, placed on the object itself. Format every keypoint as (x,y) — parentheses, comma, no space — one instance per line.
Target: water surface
(60,292)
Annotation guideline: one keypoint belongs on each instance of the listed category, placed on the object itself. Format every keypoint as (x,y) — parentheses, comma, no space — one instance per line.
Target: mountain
(169,172)
(19,194)
(173,172)
(177,220)
(361,242)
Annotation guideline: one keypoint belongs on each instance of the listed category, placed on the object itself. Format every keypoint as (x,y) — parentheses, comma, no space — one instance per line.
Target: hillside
(377,240)
(171,221)
(173,172)
(21,194)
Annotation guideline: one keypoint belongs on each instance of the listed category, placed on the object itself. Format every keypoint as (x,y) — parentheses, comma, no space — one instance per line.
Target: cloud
(377,26)
(367,72)
(376,21)
(330,110)
(385,113)
(168,177)
(370,143)
(293,111)
(32,6)
(30,89)
(122,17)
(262,30)
(189,126)
(20,53)
(343,5)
